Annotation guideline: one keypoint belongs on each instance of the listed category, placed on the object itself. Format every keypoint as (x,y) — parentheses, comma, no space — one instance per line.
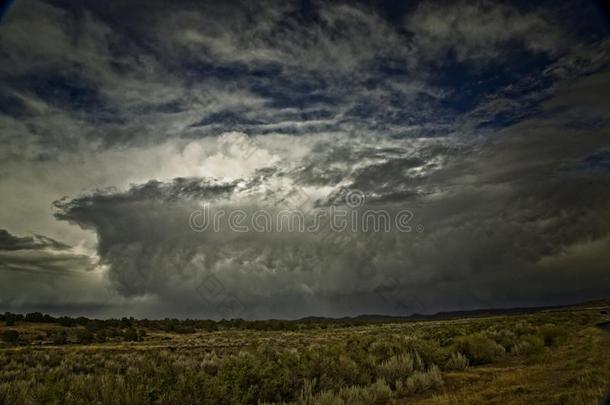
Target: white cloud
(477,30)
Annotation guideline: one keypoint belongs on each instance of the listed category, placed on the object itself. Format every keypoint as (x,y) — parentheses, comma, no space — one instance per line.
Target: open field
(559,356)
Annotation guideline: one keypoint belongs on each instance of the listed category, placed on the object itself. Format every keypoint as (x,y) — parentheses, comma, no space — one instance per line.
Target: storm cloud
(487,121)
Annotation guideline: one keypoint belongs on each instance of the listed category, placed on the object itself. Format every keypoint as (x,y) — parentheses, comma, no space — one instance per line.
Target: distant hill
(603,303)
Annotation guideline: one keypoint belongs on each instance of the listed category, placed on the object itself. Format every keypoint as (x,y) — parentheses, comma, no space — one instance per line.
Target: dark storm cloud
(488,121)
(119,76)
(37,280)
(36,242)
(38,272)
(497,213)
(39,254)
(39,263)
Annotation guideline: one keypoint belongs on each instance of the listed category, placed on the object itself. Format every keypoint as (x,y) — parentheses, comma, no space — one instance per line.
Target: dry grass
(577,372)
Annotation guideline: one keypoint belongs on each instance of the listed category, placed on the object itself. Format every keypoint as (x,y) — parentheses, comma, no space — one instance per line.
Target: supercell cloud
(489,122)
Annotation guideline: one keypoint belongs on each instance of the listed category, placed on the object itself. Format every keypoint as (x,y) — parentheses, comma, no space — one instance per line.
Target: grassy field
(559,356)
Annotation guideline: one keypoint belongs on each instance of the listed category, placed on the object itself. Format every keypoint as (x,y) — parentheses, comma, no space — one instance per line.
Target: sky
(123,122)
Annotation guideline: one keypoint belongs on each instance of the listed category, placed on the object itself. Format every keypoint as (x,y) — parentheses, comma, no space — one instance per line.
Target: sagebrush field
(551,356)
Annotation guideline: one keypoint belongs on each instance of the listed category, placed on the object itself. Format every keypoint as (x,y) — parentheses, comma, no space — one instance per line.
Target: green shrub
(9,319)
(66,321)
(376,393)
(429,351)
(331,366)
(322,398)
(396,368)
(10,336)
(457,362)
(210,363)
(420,381)
(239,377)
(83,336)
(130,335)
(101,336)
(524,328)
(59,338)
(504,337)
(347,371)
(478,348)
(383,349)
(529,345)
(551,334)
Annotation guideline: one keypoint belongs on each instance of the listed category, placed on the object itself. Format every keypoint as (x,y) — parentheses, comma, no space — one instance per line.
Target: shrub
(186,329)
(529,345)
(130,335)
(504,337)
(59,338)
(478,348)
(84,336)
(101,336)
(420,381)
(210,363)
(384,349)
(66,321)
(551,334)
(34,317)
(376,393)
(112,333)
(347,371)
(429,351)
(457,362)
(396,368)
(9,319)
(323,398)
(331,367)
(524,328)
(10,336)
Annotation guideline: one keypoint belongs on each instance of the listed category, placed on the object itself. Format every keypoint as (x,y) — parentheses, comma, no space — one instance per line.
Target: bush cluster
(375,364)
